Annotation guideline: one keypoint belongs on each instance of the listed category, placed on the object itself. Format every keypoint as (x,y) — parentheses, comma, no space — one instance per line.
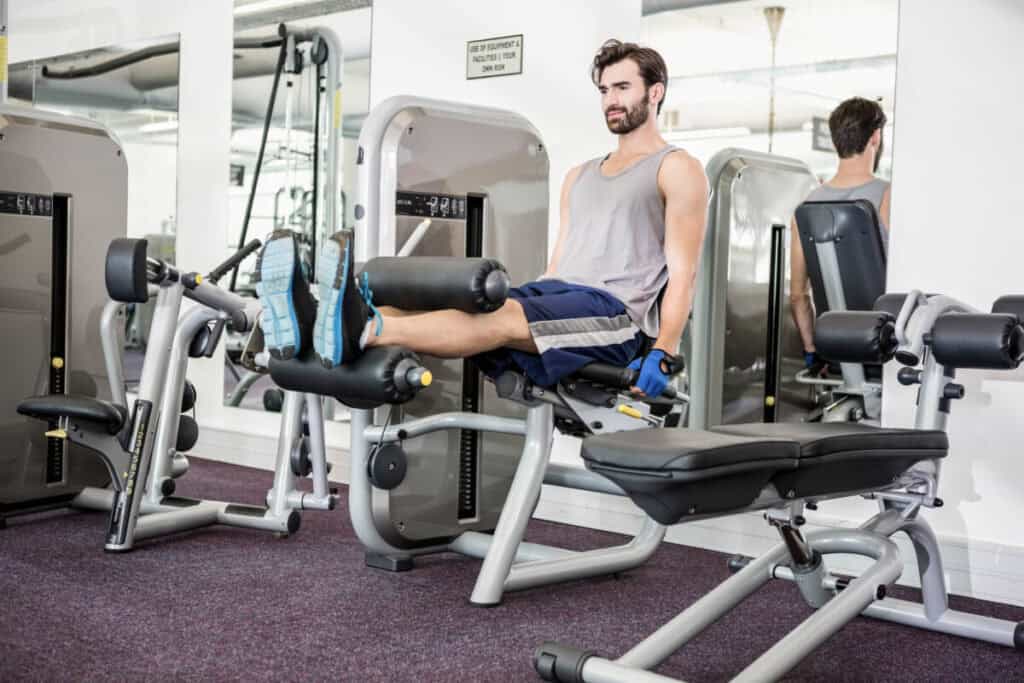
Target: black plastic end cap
(561,663)
(294,521)
(1018,637)
(167,487)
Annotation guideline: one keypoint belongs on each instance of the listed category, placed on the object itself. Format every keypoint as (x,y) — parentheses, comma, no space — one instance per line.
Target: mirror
(288,157)
(131,89)
(767,79)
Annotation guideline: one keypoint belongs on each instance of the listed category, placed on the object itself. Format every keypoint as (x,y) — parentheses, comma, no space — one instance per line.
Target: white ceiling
(719,60)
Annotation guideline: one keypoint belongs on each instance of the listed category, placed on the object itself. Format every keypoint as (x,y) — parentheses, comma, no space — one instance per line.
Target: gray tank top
(616,238)
(873,191)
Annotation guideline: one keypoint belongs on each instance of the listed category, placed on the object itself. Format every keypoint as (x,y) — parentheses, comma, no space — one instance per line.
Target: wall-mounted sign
(237,174)
(821,137)
(491,57)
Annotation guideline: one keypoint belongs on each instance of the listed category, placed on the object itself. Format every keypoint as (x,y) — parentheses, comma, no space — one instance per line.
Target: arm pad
(977,340)
(375,378)
(855,336)
(428,283)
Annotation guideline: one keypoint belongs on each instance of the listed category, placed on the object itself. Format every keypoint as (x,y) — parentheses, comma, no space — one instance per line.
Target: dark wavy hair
(652,66)
(853,123)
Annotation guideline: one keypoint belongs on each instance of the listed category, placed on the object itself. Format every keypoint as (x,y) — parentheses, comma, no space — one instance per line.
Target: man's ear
(657,93)
(876,137)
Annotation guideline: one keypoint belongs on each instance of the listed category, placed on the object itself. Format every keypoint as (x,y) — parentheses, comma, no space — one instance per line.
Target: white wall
(419,48)
(958,229)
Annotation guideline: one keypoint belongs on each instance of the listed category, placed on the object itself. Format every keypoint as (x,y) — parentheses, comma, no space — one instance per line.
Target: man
(632,225)
(856,128)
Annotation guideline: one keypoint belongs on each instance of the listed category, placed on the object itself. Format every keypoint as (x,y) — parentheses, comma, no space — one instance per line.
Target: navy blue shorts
(572,325)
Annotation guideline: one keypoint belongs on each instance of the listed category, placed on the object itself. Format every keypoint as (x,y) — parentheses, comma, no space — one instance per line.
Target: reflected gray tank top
(616,238)
(873,191)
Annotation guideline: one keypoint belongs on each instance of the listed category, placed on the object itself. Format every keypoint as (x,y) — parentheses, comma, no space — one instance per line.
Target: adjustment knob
(908,376)
(953,390)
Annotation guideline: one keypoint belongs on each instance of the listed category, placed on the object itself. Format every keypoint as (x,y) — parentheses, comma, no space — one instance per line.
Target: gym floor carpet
(238,605)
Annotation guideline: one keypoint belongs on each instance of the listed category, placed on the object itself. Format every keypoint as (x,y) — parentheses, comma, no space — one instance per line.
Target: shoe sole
(279,321)
(332,278)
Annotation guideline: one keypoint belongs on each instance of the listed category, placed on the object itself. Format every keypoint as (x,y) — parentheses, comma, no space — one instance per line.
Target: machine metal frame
(509,563)
(140,512)
(798,558)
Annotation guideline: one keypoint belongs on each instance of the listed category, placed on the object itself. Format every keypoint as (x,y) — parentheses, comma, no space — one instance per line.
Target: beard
(633,118)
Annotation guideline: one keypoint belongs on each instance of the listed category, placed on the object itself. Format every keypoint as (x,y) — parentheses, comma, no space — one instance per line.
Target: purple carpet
(229,604)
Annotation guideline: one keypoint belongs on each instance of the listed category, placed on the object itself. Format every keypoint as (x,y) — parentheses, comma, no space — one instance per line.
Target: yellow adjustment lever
(426,378)
(57,434)
(630,411)
(57,362)
(769,401)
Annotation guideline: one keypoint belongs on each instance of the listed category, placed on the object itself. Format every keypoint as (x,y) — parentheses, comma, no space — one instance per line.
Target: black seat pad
(103,414)
(687,450)
(845,456)
(673,473)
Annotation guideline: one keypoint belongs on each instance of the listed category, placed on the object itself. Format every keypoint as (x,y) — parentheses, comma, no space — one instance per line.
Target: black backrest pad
(428,283)
(126,270)
(855,336)
(977,340)
(852,228)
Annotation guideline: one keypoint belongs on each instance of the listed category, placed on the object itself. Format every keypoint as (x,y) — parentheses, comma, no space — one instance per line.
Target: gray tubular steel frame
(837,601)
(508,562)
(156,512)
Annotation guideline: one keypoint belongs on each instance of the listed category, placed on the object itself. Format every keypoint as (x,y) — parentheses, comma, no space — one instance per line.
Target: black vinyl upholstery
(855,336)
(81,409)
(851,226)
(672,473)
(427,283)
(675,473)
(366,383)
(993,341)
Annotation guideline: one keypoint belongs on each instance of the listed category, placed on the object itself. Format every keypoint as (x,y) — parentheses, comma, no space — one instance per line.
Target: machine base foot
(560,663)
(388,562)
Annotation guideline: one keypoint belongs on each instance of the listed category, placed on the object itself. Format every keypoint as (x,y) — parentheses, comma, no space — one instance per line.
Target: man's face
(624,97)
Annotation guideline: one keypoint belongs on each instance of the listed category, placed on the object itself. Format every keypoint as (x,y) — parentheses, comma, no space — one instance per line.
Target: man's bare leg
(454,334)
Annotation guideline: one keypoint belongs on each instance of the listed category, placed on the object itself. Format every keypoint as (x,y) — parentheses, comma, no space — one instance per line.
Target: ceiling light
(265,5)
(159,127)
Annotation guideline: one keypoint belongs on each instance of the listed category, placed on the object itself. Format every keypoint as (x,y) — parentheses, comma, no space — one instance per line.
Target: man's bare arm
(685,188)
(800,304)
(563,228)
(883,208)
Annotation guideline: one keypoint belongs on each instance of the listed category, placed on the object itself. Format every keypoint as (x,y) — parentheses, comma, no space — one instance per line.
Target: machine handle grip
(233,261)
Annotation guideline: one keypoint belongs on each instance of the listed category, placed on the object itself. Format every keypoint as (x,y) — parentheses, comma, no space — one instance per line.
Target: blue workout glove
(652,380)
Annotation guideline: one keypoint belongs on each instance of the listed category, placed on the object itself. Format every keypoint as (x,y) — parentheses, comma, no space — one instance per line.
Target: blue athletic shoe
(288,306)
(346,305)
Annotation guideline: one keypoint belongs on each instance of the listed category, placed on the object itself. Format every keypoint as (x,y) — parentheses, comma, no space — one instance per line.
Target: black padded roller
(375,378)
(429,283)
(1013,304)
(855,336)
(126,271)
(992,341)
